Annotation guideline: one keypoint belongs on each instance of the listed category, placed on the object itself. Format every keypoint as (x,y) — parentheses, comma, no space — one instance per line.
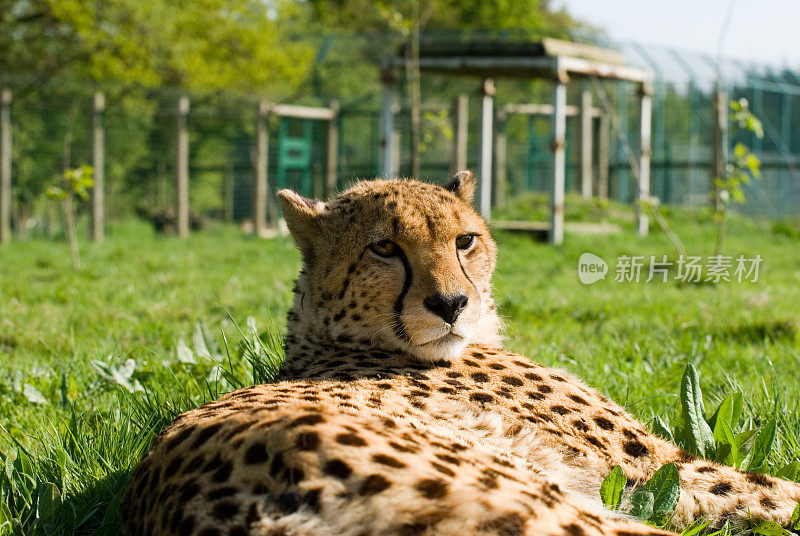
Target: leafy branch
(73,183)
(742,165)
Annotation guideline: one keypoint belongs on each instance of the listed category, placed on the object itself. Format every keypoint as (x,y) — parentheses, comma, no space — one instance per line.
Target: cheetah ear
(463,185)
(301,215)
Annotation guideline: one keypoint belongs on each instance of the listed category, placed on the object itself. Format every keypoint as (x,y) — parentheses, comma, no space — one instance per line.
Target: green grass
(90,368)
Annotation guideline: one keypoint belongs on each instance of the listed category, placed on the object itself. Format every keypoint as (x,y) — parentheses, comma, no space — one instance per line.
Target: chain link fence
(52,131)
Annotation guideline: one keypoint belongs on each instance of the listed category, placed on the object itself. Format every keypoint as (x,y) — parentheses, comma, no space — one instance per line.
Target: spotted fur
(398,415)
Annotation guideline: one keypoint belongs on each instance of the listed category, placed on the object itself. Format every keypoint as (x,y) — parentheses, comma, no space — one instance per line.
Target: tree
(74,184)
(534,17)
(408,19)
(55,51)
(202,45)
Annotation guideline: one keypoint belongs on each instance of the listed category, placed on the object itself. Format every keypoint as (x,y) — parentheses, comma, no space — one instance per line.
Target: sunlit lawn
(91,367)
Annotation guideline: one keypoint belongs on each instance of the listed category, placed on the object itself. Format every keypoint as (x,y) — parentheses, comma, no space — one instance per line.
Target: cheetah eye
(384,248)
(465,241)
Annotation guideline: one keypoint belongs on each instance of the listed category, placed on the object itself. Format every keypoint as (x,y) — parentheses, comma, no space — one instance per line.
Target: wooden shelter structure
(550,59)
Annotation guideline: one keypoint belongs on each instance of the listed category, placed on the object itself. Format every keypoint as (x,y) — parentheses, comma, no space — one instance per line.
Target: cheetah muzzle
(396,411)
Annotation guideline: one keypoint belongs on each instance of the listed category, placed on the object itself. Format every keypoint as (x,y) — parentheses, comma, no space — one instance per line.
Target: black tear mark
(399,329)
(463,271)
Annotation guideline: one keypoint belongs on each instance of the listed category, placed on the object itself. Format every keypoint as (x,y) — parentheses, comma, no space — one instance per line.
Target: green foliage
(723,422)
(125,47)
(204,45)
(794,523)
(696,433)
(756,457)
(744,118)
(96,449)
(790,471)
(743,165)
(74,182)
(653,501)
(770,528)
(722,437)
(534,16)
(612,488)
(664,486)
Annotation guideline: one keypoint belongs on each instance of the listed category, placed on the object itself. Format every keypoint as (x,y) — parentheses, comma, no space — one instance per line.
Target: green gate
(539,164)
(294,155)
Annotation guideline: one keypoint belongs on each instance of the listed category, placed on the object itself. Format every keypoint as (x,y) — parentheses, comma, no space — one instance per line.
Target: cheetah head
(394,264)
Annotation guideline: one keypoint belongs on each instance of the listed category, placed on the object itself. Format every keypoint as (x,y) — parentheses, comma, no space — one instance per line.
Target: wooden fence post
(5,165)
(586,141)
(487,136)
(262,164)
(182,169)
(500,154)
(332,160)
(98,165)
(603,148)
(559,129)
(461,133)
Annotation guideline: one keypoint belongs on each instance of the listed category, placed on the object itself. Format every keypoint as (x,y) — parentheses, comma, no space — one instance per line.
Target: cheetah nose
(446,307)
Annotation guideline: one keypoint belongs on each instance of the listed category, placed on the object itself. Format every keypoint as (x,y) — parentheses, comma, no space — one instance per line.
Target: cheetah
(397,412)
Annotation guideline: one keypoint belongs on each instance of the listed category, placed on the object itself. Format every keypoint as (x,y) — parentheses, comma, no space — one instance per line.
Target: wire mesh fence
(52,131)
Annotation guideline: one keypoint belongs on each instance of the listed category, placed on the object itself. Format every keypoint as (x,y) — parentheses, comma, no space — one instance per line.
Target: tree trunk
(69,221)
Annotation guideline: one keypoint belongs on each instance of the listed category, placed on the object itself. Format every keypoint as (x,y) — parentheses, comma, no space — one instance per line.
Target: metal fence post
(182,169)
(5,165)
(98,164)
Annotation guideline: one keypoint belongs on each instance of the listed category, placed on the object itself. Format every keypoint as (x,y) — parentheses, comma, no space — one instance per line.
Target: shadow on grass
(754,332)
